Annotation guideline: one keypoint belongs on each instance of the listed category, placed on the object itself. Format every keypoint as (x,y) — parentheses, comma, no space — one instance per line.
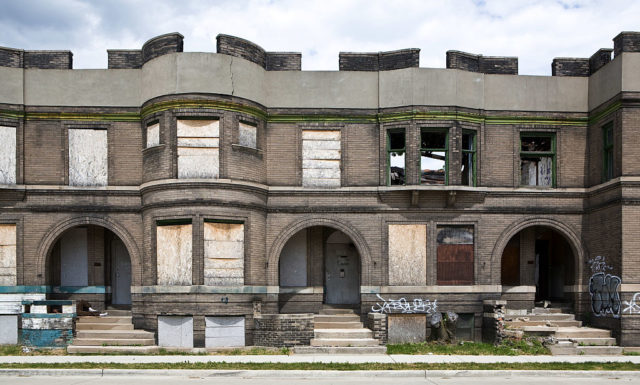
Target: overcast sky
(535,31)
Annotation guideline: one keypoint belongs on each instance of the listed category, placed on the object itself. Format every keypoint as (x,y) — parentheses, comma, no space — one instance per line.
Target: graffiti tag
(605,298)
(598,264)
(632,306)
(417,305)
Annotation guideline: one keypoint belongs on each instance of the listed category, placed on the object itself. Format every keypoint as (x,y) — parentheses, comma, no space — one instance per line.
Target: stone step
(103,326)
(542,317)
(114,341)
(331,311)
(109,334)
(554,323)
(107,319)
(342,333)
(338,325)
(573,332)
(336,318)
(344,342)
(604,341)
(546,310)
(340,350)
(77,349)
(539,330)
(118,313)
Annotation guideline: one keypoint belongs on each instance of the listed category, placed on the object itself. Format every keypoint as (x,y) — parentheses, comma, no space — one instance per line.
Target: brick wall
(378,324)
(570,67)
(119,59)
(60,60)
(10,57)
(271,61)
(626,42)
(283,330)
(283,61)
(379,61)
(599,59)
(484,64)
(162,45)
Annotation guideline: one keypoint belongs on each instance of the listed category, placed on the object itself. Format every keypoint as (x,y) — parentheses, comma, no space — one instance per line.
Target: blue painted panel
(47,338)
(48,315)
(55,289)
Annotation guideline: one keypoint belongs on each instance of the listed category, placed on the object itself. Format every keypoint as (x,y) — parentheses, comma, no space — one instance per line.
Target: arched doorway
(321,256)
(90,262)
(540,257)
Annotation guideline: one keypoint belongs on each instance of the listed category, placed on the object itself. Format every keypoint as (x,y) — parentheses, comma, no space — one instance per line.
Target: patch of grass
(631,353)
(507,348)
(627,366)
(18,350)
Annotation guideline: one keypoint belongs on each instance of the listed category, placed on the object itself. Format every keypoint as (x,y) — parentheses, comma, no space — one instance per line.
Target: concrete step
(331,311)
(550,310)
(107,319)
(110,334)
(340,350)
(542,317)
(591,341)
(114,341)
(339,325)
(554,323)
(336,318)
(118,313)
(344,342)
(539,330)
(103,326)
(73,349)
(574,332)
(342,333)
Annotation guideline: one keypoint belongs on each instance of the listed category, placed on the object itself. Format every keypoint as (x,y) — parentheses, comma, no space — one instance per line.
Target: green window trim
(173,222)
(397,150)
(551,153)
(444,149)
(472,153)
(227,221)
(607,152)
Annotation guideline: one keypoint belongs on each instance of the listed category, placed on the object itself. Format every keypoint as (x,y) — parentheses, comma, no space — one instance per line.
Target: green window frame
(429,148)
(468,161)
(397,175)
(538,154)
(607,152)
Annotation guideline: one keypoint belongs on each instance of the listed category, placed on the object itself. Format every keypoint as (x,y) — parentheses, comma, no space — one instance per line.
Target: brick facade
(262,188)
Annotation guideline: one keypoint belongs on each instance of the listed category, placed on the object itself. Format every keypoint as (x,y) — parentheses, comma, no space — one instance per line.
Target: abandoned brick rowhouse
(206,190)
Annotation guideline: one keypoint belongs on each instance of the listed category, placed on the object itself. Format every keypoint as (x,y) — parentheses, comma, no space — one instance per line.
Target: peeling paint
(8,158)
(223,254)
(8,270)
(88,158)
(174,263)
(247,135)
(198,148)
(321,154)
(153,135)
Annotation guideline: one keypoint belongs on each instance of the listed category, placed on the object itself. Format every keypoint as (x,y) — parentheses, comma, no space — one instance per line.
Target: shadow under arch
(55,232)
(289,231)
(565,230)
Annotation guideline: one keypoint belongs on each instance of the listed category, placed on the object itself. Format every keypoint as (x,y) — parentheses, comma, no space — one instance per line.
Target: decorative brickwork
(379,61)
(283,330)
(271,61)
(378,324)
(162,45)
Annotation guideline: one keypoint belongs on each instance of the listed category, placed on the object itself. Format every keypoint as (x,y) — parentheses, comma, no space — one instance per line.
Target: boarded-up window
(408,255)
(175,331)
(223,254)
(455,255)
(8,255)
(74,257)
(247,135)
(8,158)
(153,134)
(88,157)
(173,246)
(224,331)
(198,148)
(321,158)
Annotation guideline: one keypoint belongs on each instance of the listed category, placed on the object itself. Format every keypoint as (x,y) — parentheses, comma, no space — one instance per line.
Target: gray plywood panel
(224,331)
(8,158)
(175,331)
(174,261)
(88,157)
(408,255)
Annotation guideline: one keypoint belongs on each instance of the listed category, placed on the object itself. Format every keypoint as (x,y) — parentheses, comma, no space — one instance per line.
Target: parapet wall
(17,58)
(379,61)
(465,61)
(626,42)
(270,61)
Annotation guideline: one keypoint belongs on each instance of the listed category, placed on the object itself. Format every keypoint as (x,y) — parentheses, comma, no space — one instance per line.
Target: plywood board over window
(223,254)
(321,158)
(198,148)
(247,135)
(408,255)
(8,255)
(88,157)
(8,158)
(153,134)
(174,261)
(455,255)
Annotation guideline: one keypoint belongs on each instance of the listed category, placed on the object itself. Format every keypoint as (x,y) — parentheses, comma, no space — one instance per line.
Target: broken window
(468,164)
(396,157)
(321,151)
(223,253)
(173,252)
(153,134)
(8,158)
(433,156)
(198,148)
(88,158)
(537,158)
(607,152)
(455,255)
(247,135)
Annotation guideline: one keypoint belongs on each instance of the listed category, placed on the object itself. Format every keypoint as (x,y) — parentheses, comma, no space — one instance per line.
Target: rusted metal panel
(88,157)
(198,153)
(174,261)
(223,254)
(455,264)
(153,135)
(8,158)
(247,135)
(8,255)
(408,255)
(321,153)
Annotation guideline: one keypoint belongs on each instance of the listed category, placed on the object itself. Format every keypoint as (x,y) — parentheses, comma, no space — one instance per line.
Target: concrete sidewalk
(377,358)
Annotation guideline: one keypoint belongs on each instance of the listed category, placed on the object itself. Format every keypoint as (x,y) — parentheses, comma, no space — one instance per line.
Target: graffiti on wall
(632,306)
(417,305)
(603,287)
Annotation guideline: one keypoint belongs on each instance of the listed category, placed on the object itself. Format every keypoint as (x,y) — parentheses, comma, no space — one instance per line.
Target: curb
(315,373)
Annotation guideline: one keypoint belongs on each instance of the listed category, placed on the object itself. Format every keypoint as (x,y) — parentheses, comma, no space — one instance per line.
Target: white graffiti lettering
(417,305)
(632,306)
(599,264)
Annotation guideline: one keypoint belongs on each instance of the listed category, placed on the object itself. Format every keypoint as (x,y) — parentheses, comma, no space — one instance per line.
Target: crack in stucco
(233,89)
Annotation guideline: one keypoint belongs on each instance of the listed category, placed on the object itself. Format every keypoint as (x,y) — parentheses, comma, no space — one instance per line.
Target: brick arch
(568,232)
(55,232)
(290,230)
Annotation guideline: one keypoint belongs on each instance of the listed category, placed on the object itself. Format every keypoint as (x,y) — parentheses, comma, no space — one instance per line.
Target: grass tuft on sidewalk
(507,348)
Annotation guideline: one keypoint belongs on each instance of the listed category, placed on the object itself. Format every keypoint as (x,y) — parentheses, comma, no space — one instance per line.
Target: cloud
(535,31)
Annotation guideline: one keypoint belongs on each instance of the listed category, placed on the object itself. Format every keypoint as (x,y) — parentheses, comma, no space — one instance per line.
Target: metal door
(120,274)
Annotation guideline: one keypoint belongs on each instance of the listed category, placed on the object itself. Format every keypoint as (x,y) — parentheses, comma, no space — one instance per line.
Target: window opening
(396,157)
(468,164)
(433,156)
(607,152)
(537,159)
